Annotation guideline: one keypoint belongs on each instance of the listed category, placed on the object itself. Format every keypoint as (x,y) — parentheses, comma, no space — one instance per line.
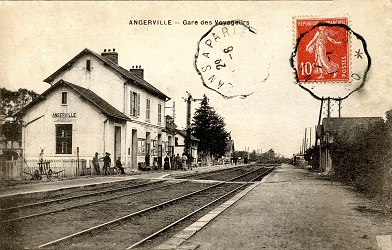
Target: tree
(242,154)
(10,103)
(13,101)
(253,156)
(209,128)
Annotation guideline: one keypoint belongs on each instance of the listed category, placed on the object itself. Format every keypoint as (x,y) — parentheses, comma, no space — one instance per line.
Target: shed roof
(126,74)
(86,94)
(183,133)
(340,124)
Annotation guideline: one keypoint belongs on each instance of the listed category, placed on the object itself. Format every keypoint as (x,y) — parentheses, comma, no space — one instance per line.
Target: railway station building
(95,105)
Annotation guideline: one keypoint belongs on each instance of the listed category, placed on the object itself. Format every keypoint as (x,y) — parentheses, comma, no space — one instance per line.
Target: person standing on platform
(41,161)
(190,161)
(147,159)
(96,164)
(106,163)
(184,161)
(177,162)
(166,165)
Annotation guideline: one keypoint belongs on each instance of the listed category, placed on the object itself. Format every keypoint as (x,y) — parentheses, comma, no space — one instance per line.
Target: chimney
(138,71)
(111,55)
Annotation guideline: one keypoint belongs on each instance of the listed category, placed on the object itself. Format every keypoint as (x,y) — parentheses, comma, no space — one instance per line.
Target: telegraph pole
(173,109)
(340,107)
(188,101)
(306,140)
(188,125)
(329,108)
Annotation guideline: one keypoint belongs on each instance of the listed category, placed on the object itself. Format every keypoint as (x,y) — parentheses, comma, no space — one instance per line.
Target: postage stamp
(323,50)
(329,60)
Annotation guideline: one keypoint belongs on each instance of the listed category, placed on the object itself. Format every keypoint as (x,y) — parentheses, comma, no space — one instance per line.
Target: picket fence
(24,169)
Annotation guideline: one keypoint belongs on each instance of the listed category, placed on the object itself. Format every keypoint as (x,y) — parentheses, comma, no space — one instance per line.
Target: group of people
(179,162)
(107,161)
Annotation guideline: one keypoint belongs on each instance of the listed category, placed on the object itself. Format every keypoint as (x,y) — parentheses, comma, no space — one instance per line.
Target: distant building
(229,150)
(345,127)
(95,105)
(176,140)
(179,144)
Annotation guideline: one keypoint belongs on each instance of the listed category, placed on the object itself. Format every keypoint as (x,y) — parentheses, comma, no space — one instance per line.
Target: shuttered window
(148,109)
(159,113)
(134,104)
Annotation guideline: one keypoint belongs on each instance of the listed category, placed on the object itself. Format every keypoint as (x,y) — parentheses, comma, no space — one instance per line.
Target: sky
(37,38)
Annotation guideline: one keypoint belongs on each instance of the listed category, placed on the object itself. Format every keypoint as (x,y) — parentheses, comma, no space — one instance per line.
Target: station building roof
(84,93)
(128,75)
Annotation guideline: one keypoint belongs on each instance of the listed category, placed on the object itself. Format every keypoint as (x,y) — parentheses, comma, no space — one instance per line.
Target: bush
(361,159)
(8,155)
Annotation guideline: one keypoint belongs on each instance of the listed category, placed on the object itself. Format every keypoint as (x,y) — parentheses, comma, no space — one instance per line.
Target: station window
(148,109)
(63,138)
(134,104)
(141,146)
(64,98)
(159,113)
(88,65)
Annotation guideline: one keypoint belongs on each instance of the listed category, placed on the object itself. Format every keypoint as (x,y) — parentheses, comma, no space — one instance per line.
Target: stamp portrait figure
(318,46)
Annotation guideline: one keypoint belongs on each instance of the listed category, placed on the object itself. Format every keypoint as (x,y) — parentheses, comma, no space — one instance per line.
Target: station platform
(44,185)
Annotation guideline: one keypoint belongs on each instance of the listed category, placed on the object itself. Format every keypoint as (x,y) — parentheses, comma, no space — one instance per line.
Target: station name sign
(64,115)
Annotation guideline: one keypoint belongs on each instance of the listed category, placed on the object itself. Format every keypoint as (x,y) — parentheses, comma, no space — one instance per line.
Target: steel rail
(195,211)
(89,230)
(264,173)
(106,224)
(248,173)
(210,173)
(184,218)
(84,204)
(76,196)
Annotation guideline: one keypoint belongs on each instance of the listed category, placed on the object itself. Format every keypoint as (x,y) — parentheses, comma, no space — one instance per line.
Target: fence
(20,169)
(11,169)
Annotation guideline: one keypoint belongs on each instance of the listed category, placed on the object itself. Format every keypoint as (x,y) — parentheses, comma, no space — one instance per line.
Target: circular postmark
(330,60)
(225,59)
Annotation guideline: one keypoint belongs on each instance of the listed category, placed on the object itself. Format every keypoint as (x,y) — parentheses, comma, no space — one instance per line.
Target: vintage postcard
(112,87)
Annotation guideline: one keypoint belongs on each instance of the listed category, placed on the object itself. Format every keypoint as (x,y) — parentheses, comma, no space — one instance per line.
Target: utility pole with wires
(340,107)
(188,101)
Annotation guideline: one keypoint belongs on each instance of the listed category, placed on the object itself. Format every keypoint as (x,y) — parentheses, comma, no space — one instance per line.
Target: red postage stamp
(322,50)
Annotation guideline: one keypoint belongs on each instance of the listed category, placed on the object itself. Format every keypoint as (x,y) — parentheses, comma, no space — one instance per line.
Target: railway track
(21,201)
(24,233)
(159,218)
(222,175)
(130,215)
(53,206)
